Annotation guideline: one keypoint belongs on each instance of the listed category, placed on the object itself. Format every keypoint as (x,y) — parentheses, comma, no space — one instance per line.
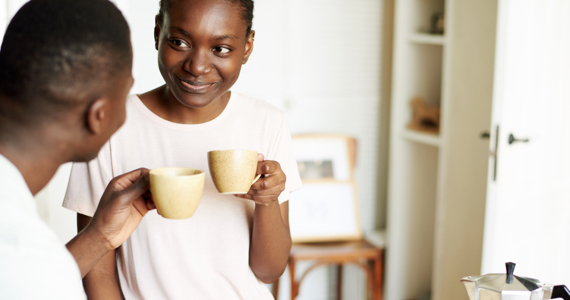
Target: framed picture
(324,212)
(326,208)
(323,157)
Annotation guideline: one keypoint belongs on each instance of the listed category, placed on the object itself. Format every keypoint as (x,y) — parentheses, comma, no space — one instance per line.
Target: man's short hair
(58,53)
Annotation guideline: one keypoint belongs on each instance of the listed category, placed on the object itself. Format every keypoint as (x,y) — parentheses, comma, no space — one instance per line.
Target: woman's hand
(270,237)
(267,189)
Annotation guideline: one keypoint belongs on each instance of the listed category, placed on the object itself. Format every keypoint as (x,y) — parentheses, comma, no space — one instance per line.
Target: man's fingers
(149,201)
(150,205)
(138,194)
(126,180)
(260,157)
(141,206)
(136,189)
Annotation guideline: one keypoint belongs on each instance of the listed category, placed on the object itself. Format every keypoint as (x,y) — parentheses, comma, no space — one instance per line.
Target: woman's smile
(195,86)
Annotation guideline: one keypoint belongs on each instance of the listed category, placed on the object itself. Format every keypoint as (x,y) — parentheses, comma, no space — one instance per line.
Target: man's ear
(96,116)
(156,32)
(248,47)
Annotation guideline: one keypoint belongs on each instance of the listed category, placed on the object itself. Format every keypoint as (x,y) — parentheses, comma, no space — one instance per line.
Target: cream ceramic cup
(176,191)
(233,171)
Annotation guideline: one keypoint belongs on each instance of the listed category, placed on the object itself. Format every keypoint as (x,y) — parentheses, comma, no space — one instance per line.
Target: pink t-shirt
(206,256)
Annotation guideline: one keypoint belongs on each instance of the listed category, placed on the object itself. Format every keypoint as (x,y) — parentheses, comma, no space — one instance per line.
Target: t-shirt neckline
(178,126)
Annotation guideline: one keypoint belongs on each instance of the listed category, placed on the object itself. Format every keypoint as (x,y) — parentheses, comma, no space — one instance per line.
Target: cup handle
(256,178)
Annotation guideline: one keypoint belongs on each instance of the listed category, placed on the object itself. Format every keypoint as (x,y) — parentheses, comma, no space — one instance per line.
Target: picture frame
(323,157)
(326,208)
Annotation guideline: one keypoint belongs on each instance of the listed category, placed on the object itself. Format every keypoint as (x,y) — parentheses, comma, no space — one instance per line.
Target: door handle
(494,153)
(512,139)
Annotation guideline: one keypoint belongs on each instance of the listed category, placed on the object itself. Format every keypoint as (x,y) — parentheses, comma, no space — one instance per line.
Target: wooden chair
(360,253)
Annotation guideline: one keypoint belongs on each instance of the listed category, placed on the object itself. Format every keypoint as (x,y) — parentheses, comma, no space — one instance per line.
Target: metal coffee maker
(511,287)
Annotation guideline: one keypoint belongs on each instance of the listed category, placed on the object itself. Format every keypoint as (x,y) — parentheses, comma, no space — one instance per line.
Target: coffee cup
(233,171)
(176,191)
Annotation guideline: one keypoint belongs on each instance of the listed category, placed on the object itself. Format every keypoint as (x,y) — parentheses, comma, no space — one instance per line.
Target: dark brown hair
(55,51)
(246,11)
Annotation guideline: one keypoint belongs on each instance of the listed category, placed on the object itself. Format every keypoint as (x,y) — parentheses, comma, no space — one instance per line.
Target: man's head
(67,59)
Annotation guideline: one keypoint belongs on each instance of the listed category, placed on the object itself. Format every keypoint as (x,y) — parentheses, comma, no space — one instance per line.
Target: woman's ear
(156,32)
(97,119)
(248,47)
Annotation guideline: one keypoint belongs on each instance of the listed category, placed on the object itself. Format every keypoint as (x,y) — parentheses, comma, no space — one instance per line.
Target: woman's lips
(195,87)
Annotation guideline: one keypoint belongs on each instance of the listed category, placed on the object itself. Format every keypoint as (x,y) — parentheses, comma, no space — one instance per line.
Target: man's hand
(267,189)
(123,205)
(121,209)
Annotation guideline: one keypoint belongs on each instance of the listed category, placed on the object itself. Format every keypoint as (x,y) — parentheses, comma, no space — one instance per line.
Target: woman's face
(201,47)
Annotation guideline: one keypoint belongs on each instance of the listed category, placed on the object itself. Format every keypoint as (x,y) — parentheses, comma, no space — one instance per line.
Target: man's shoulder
(24,230)
(34,263)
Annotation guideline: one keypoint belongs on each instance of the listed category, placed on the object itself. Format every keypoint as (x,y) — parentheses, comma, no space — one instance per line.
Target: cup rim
(160,171)
(232,150)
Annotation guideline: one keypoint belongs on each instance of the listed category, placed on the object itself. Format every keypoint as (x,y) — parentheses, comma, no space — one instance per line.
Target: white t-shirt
(206,256)
(34,264)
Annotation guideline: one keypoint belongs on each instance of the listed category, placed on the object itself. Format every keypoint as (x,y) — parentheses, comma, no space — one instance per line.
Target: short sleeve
(282,152)
(87,183)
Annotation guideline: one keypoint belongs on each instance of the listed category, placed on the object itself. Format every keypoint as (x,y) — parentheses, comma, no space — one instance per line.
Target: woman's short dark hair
(246,11)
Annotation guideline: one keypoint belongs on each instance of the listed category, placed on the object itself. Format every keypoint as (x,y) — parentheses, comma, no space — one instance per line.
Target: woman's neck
(162,103)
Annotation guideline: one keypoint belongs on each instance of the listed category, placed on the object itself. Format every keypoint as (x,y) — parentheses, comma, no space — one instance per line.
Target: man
(65,72)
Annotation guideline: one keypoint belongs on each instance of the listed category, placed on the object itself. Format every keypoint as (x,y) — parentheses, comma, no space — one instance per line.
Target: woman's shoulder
(136,108)
(251,105)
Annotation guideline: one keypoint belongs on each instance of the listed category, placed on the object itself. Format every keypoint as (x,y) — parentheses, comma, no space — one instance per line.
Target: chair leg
(365,266)
(378,266)
(294,284)
(339,282)
(275,289)
(369,280)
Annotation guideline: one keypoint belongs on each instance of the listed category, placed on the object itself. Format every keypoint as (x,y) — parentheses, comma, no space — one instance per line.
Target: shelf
(426,38)
(376,237)
(419,137)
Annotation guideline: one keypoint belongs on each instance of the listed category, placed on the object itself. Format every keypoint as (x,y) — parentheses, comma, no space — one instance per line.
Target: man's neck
(34,154)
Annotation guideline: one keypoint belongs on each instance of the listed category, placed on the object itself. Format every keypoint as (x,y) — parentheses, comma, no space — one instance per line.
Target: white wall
(61,220)
(318,60)
(3,17)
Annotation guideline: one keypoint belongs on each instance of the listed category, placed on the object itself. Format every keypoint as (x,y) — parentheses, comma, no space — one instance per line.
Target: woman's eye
(179,44)
(222,50)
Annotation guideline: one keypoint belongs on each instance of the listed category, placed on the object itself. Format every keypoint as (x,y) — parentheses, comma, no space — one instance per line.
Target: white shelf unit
(437,183)
(424,38)
(423,138)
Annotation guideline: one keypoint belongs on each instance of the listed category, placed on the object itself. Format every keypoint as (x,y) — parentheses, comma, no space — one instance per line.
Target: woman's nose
(198,63)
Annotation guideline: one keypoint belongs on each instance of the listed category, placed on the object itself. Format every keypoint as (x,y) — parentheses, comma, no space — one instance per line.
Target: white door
(528,203)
